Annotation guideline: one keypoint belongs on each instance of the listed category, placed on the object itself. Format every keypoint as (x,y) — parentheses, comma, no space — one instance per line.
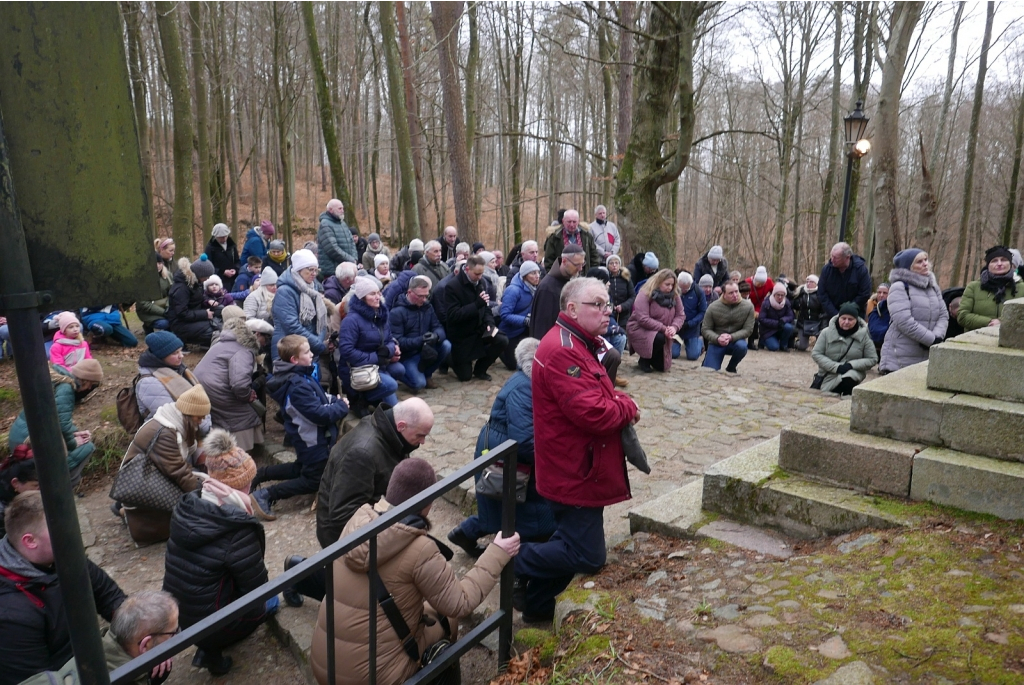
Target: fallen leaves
(524,669)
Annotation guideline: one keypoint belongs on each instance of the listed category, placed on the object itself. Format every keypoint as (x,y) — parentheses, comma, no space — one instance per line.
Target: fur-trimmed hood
(913,278)
(243,335)
(185,270)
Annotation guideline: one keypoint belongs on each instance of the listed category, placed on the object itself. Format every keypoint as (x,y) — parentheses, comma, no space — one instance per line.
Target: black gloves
(843,368)
(429,338)
(383,355)
(938,341)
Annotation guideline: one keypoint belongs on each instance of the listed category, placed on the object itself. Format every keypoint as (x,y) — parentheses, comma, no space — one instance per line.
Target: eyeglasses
(175,632)
(603,306)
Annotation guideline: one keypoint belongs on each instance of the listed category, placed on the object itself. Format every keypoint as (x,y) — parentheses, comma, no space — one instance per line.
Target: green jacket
(555,242)
(737,320)
(978,307)
(150,311)
(116,657)
(64,394)
(832,349)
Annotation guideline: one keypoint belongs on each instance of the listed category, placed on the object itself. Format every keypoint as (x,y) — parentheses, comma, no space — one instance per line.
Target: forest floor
(937,603)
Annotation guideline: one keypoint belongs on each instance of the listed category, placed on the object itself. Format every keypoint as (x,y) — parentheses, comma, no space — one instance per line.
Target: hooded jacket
(310,416)
(409,322)
(620,291)
(358,472)
(64,387)
(832,350)
(917,317)
(771,320)
(226,375)
(694,307)
(978,306)
(516,303)
(414,570)
(259,304)
(214,556)
(334,244)
(364,330)
(255,246)
(34,632)
(578,417)
(703,266)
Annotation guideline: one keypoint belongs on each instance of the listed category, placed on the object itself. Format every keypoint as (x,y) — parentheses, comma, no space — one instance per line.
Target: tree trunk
(285,142)
(400,120)
(445,18)
(835,139)
(886,143)
(605,52)
(202,119)
(138,68)
(924,235)
(972,140)
(651,161)
(1018,147)
(177,82)
(326,110)
(627,17)
(939,163)
(412,110)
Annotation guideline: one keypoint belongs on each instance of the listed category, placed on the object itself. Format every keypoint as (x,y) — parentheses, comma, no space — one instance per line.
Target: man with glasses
(420,335)
(144,621)
(581,436)
(728,322)
(34,632)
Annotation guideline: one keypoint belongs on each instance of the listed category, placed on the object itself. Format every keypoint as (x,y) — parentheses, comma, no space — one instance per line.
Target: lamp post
(855,124)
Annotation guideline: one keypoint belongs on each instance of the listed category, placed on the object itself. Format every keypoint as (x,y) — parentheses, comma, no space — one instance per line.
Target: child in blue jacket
(310,422)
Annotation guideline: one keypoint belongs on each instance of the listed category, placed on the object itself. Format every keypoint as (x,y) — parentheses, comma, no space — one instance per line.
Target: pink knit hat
(65,319)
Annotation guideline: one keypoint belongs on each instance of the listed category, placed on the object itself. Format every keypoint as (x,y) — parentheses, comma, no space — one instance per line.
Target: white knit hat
(380,259)
(415,245)
(363,286)
(213,280)
(303,259)
(715,252)
(761,275)
(221,230)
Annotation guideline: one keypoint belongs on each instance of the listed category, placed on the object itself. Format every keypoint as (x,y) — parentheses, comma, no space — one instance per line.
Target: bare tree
(195,16)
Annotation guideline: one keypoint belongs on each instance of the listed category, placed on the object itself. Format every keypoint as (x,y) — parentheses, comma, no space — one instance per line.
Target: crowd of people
(331,333)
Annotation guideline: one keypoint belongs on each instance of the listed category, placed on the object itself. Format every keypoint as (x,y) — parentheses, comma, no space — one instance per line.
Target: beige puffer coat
(415,573)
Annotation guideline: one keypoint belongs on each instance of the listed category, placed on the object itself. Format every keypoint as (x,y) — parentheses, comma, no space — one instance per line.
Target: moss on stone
(544,641)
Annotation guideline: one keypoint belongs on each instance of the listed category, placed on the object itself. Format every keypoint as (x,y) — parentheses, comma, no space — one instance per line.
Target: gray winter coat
(831,350)
(918,316)
(151,394)
(226,375)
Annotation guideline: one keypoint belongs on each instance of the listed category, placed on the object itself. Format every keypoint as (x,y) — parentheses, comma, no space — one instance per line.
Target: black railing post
(329,598)
(508,574)
(373,610)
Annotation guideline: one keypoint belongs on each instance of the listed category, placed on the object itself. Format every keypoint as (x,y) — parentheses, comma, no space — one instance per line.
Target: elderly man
(34,632)
(336,286)
(420,335)
(728,322)
(569,233)
(431,265)
(844,278)
(470,325)
(334,239)
(448,240)
(606,233)
(462,253)
(528,252)
(357,473)
(143,622)
(713,264)
(500,267)
(579,461)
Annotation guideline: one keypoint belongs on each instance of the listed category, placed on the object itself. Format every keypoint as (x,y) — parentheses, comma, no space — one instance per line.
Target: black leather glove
(383,355)
(429,338)
(938,341)
(843,368)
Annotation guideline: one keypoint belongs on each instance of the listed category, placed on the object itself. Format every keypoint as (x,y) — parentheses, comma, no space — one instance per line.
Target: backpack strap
(387,603)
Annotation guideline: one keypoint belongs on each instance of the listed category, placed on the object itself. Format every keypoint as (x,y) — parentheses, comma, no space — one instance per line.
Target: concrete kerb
(969,482)
(1011,324)
(675,514)
(977,366)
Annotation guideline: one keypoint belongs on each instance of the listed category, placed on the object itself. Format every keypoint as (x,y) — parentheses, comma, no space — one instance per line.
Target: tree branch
(544,139)
(715,134)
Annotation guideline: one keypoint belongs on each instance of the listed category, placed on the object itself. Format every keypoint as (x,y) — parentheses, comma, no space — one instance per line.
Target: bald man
(334,239)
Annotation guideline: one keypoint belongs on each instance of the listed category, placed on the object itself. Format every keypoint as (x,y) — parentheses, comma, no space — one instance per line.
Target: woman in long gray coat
(226,372)
(917,312)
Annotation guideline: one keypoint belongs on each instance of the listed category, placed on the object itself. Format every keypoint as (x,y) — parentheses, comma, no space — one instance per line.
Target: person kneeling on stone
(844,351)
(414,568)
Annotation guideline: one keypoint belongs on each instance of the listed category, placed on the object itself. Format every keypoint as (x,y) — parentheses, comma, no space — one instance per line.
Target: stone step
(823,448)
(751,488)
(969,482)
(975,364)
(902,407)
(1011,324)
(675,514)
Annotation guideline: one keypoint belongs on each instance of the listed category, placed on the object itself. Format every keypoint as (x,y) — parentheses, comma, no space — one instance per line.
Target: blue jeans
(694,346)
(618,341)
(386,391)
(780,339)
(736,350)
(416,379)
(5,342)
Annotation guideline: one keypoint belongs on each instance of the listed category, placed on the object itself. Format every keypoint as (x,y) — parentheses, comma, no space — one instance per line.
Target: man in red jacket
(579,462)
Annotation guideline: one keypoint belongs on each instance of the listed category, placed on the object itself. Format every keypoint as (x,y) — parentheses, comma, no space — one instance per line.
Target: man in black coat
(470,325)
(448,239)
(357,473)
(544,310)
(34,634)
(844,278)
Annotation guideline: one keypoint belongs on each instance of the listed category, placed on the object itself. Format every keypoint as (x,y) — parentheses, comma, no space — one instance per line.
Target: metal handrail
(501,619)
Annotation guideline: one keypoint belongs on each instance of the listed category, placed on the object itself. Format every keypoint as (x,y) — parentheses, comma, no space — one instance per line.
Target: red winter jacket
(578,418)
(758,293)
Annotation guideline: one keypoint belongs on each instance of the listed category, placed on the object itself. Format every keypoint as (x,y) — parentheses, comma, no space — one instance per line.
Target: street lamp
(855,124)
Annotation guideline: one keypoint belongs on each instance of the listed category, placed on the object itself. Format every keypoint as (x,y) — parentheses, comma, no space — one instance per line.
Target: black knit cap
(411,477)
(998,251)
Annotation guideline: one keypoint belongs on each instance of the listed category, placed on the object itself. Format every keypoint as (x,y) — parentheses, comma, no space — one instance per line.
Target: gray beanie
(268,277)
(202,267)
(650,260)
(706,281)
(373,236)
(528,268)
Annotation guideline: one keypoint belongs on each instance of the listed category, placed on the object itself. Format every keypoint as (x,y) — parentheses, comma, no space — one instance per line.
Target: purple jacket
(771,319)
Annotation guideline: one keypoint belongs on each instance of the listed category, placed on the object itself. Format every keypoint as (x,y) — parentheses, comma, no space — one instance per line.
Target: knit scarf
(776,305)
(847,333)
(311,304)
(996,285)
(74,356)
(666,300)
(171,417)
(176,380)
(571,238)
(223,495)
(284,255)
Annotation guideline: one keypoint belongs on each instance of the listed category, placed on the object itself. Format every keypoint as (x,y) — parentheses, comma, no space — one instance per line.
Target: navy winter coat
(409,323)
(254,246)
(333,290)
(853,285)
(703,267)
(878,321)
(285,310)
(398,287)
(516,302)
(694,306)
(363,332)
(310,416)
(770,319)
(214,556)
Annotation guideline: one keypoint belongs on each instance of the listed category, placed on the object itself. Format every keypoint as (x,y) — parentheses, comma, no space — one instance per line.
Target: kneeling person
(728,323)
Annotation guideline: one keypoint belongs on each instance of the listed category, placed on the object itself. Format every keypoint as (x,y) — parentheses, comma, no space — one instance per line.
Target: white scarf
(171,417)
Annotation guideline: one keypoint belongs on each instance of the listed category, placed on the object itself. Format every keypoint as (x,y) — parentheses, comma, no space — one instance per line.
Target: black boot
(291,596)
(215,662)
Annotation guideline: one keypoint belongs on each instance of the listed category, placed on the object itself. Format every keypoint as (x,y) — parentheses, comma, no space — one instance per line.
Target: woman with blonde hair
(657,317)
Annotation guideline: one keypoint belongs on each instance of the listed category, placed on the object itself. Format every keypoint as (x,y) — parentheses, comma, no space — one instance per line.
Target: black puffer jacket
(186,303)
(214,556)
(34,634)
(223,259)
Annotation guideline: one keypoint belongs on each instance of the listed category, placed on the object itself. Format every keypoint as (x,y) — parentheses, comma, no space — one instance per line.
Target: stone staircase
(947,431)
